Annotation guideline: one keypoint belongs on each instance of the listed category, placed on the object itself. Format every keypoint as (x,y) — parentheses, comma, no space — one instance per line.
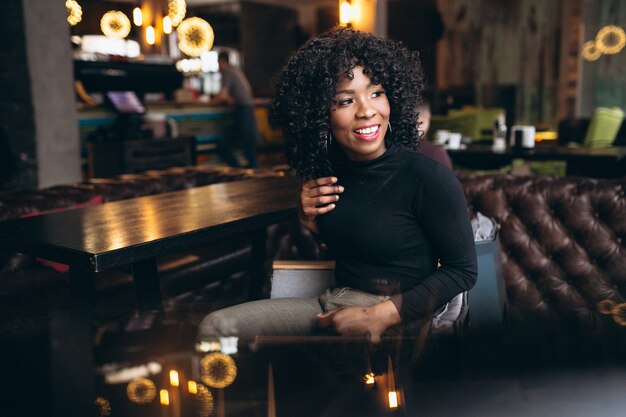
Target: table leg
(257,265)
(147,286)
(71,352)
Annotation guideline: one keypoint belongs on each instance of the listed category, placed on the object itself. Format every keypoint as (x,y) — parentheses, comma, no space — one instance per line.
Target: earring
(389,128)
(329,140)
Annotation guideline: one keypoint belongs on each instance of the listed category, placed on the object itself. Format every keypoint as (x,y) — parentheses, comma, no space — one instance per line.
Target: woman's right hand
(317,197)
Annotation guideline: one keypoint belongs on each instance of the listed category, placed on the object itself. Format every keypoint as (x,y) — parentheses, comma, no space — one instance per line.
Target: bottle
(499,135)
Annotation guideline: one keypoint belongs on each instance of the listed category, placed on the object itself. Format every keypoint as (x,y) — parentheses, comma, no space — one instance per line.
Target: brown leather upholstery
(563,243)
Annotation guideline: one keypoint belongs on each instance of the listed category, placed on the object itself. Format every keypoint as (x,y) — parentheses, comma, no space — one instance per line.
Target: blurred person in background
(428,148)
(236,91)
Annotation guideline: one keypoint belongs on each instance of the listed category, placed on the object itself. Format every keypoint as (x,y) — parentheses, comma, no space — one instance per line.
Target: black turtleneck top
(398,216)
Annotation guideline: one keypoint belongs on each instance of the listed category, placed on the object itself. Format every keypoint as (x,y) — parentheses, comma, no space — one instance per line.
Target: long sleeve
(442,210)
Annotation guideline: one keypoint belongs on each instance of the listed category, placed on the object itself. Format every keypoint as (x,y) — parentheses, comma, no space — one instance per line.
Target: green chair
(465,124)
(470,121)
(605,123)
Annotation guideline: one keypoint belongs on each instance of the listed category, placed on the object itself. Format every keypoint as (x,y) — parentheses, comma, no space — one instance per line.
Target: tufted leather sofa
(563,246)
(563,251)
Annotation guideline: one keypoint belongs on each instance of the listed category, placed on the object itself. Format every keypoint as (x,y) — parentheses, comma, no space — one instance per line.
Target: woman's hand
(317,197)
(370,322)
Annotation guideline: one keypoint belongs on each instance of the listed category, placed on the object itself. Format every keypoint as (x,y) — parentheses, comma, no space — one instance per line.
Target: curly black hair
(306,86)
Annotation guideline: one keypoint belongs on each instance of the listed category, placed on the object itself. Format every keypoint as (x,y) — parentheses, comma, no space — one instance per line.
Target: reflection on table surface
(150,364)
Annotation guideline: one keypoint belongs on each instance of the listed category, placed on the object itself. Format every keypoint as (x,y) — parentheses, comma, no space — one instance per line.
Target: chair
(603,128)
(572,131)
(300,279)
(464,123)
(473,122)
(486,117)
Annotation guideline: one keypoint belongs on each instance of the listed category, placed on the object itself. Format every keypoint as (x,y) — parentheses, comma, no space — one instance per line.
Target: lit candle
(392,394)
(393,399)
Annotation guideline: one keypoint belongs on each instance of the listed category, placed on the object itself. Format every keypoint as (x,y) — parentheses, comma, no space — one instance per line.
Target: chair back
(301,279)
(605,123)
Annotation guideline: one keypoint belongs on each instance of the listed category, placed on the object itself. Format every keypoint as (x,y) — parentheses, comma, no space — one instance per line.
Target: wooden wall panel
(603,80)
(489,43)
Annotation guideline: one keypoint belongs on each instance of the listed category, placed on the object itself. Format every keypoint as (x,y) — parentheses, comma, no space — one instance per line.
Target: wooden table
(134,232)
(582,161)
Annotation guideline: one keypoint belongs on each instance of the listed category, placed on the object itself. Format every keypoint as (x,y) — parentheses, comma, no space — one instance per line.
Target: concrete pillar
(50,68)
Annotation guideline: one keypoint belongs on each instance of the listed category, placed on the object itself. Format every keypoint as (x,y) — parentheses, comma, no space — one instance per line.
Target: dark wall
(16,106)
(269,35)
(266,35)
(419,25)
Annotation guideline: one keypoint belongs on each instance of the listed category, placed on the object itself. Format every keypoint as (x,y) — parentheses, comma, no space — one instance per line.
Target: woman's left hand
(370,322)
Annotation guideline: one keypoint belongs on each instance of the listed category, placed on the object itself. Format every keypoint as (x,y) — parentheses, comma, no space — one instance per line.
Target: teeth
(367,130)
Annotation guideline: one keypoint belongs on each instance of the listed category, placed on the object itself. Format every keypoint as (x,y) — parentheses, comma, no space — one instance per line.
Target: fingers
(374,338)
(346,321)
(325,319)
(318,196)
(321,186)
(318,182)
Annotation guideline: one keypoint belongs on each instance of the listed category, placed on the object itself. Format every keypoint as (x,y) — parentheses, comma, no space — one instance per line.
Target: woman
(387,214)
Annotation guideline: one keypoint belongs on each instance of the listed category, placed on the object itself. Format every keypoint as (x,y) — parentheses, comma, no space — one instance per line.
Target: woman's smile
(368,133)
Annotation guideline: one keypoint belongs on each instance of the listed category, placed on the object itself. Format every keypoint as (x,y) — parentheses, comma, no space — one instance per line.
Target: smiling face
(359,117)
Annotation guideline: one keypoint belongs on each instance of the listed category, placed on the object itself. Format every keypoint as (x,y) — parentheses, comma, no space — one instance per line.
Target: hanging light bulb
(115,24)
(164,397)
(167,25)
(174,381)
(75,12)
(346,13)
(610,39)
(177,10)
(590,51)
(137,16)
(194,36)
(192,387)
(150,37)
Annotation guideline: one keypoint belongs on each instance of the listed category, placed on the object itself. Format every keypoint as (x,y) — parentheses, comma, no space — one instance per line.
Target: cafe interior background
(540,63)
